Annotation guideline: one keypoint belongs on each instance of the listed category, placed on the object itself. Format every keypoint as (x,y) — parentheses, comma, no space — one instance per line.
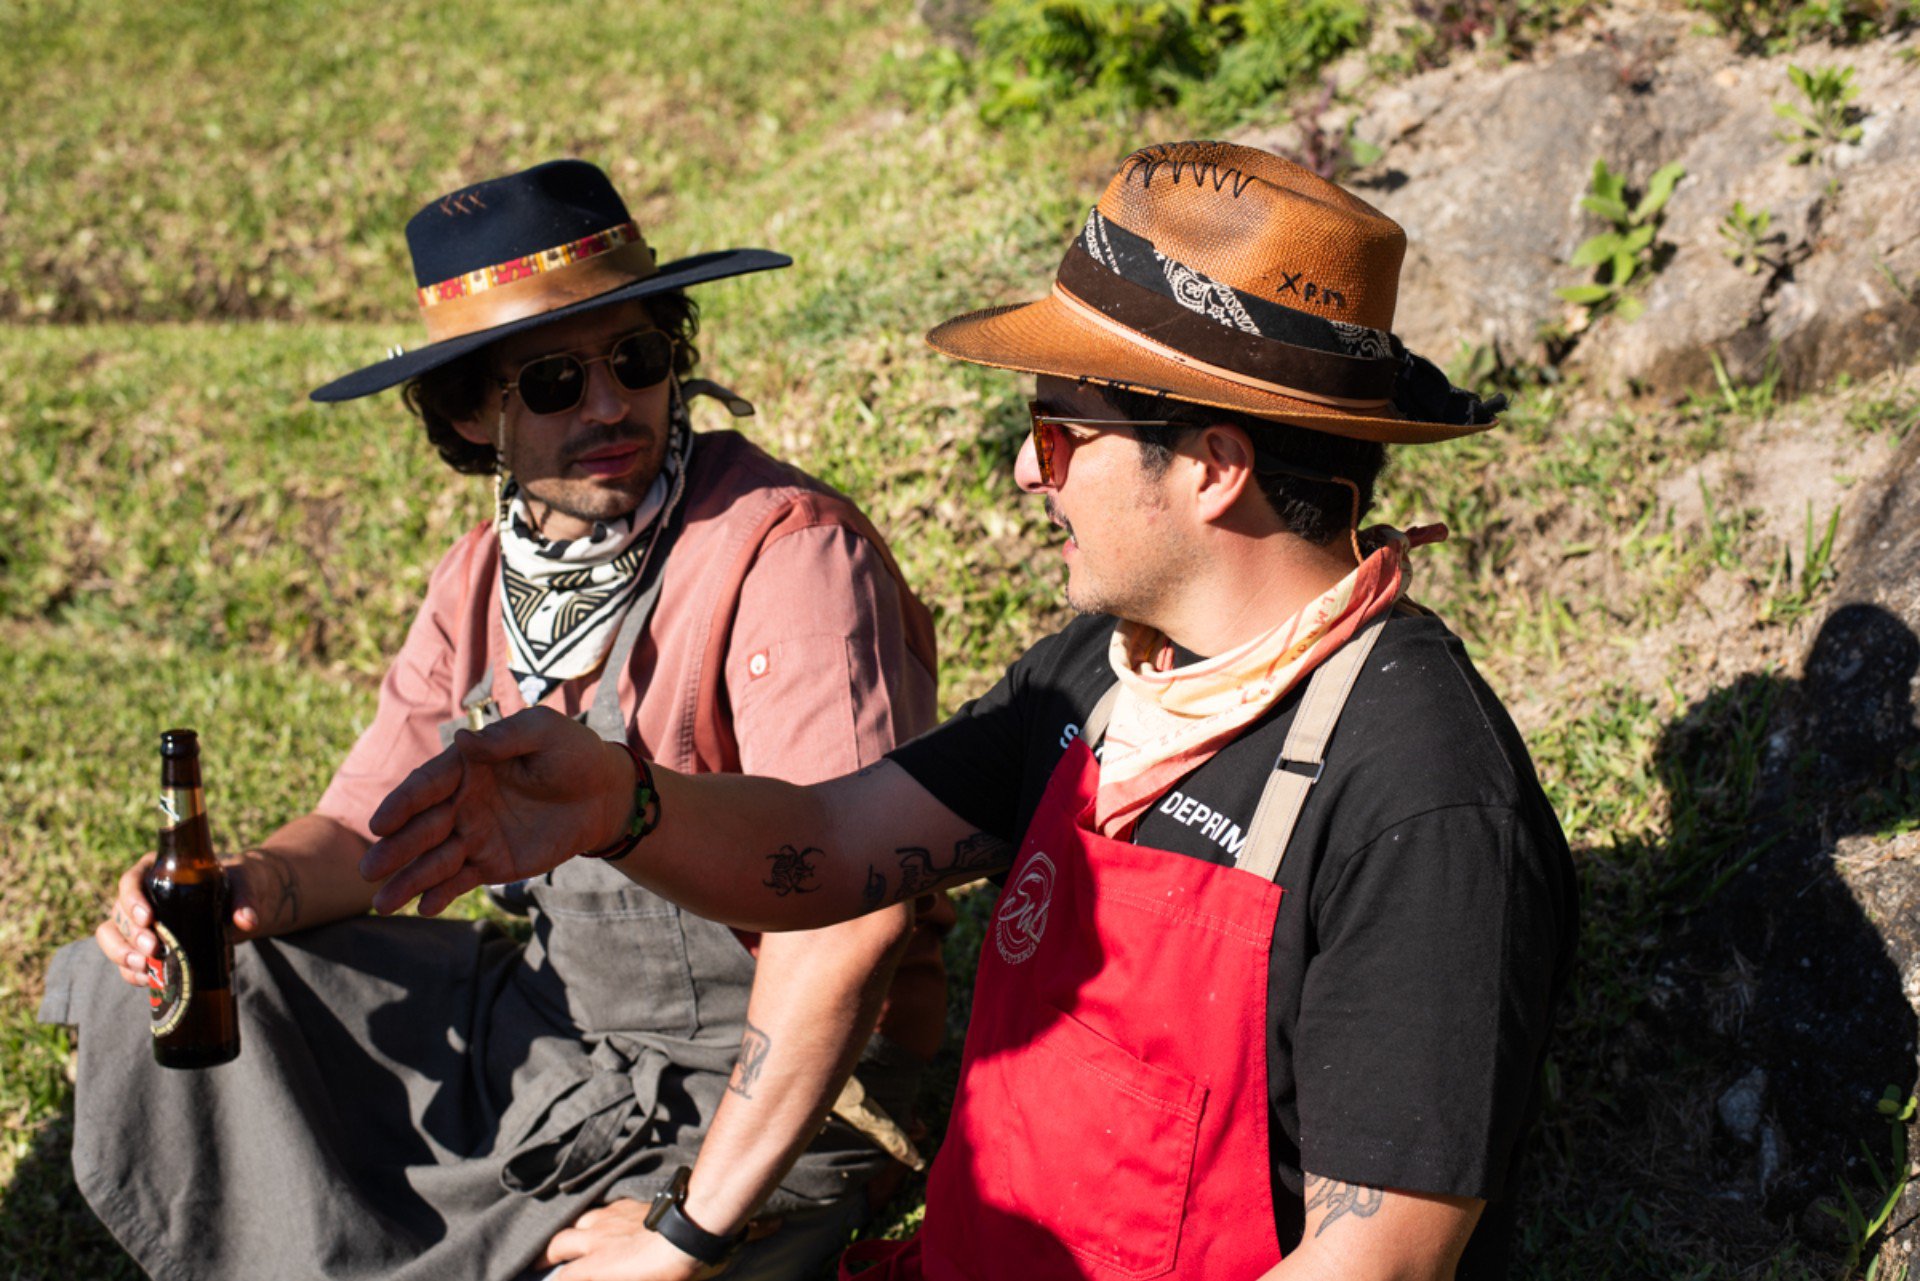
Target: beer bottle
(191,977)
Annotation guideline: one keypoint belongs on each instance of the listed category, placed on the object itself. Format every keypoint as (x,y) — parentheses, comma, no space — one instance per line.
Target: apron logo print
(1022,917)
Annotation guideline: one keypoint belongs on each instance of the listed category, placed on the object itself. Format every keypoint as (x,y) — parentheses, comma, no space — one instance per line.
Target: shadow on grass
(46,1228)
(1736,1014)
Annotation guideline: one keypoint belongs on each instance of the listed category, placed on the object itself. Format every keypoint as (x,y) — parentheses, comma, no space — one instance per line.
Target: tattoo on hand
(791,871)
(875,892)
(753,1057)
(278,881)
(979,853)
(1339,1199)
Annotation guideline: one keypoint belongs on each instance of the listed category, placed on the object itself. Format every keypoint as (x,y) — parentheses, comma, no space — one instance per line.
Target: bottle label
(180,804)
(169,982)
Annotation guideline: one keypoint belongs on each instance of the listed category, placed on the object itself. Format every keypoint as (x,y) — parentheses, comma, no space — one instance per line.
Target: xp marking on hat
(512,253)
(1222,275)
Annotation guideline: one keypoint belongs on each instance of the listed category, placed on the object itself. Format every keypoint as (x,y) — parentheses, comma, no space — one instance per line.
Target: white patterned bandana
(562,600)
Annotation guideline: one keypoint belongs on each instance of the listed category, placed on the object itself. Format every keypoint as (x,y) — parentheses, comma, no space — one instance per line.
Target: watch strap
(669,1219)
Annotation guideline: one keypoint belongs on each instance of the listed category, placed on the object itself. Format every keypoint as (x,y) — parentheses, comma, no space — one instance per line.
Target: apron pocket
(1110,1141)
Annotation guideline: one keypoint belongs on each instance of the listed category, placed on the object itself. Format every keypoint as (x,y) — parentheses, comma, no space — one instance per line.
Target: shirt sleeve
(415,696)
(818,670)
(1427,1002)
(973,762)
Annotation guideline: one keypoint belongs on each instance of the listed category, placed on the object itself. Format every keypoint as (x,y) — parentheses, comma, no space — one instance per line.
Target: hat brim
(694,270)
(1046,337)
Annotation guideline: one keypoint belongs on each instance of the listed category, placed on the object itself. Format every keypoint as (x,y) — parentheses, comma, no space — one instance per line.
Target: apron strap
(1095,730)
(1303,756)
(604,717)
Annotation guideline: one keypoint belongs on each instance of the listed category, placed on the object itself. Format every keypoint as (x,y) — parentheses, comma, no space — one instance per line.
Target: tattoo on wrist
(875,891)
(754,1047)
(277,880)
(979,853)
(792,870)
(1340,1199)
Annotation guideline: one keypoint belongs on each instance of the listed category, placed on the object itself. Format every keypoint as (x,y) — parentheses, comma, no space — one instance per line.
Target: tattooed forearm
(982,852)
(1339,1199)
(275,889)
(753,1057)
(979,853)
(792,871)
(874,893)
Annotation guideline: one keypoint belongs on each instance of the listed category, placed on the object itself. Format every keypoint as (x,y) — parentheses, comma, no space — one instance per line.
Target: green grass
(206,223)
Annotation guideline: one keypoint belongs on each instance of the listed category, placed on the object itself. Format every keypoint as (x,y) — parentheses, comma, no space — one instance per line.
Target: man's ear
(1225,455)
(475,431)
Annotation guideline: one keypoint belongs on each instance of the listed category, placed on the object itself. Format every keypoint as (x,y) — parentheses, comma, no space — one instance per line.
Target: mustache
(1053,514)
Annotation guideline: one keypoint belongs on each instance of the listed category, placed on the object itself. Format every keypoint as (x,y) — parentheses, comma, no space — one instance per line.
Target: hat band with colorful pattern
(536,283)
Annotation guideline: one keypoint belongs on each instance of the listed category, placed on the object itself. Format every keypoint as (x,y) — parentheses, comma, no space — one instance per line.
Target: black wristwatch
(671,1221)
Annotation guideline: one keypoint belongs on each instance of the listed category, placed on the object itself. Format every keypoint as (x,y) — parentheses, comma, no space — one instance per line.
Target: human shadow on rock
(1739,1013)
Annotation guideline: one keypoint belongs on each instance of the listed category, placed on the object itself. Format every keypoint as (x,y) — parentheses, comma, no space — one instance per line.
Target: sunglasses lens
(552,385)
(643,360)
(1046,447)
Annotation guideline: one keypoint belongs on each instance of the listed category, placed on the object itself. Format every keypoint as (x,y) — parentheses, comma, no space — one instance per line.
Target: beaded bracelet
(646,809)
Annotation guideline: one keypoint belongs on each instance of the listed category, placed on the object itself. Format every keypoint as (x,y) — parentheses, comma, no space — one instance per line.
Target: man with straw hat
(1283,909)
(426,1100)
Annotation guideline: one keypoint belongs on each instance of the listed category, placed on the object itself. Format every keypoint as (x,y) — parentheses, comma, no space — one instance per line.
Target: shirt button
(757,665)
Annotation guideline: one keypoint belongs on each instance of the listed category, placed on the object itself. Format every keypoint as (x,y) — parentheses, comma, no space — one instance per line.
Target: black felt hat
(511,253)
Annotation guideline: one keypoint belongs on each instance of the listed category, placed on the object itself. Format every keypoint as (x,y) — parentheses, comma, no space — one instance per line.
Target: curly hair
(457,391)
(1314,510)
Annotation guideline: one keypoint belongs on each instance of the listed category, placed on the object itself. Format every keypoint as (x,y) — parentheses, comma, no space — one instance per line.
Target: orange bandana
(1167,722)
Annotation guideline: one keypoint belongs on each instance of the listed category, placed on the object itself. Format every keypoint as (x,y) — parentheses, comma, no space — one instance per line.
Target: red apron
(1112,1114)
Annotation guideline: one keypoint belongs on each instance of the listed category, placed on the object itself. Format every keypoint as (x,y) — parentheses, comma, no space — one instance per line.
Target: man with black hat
(1284,910)
(431,1099)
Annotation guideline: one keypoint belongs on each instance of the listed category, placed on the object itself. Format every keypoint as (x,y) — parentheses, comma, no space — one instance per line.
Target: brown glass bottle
(194,1020)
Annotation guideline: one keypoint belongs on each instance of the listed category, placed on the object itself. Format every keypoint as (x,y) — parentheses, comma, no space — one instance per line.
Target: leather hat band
(532,291)
(1246,357)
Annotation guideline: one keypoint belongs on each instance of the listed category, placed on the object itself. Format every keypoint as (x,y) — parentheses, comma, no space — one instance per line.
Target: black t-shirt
(1427,924)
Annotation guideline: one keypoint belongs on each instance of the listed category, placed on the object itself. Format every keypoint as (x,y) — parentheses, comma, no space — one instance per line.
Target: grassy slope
(186,540)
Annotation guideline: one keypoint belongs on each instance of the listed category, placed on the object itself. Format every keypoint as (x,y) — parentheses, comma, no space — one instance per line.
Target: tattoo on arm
(980,853)
(875,892)
(792,870)
(277,883)
(1339,1199)
(753,1057)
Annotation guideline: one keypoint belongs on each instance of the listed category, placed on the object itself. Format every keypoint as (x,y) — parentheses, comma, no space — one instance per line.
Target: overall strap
(1303,756)
(604,717)
(1095,730)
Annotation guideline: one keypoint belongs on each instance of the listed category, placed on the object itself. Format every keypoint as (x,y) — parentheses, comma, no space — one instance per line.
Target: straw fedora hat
(536,246)
(1222,275)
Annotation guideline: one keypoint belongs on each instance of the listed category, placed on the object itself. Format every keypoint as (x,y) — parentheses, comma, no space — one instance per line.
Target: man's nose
(606,399)
(1026,468)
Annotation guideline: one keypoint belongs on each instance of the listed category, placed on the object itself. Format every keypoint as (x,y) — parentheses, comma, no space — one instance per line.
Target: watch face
(662,1202)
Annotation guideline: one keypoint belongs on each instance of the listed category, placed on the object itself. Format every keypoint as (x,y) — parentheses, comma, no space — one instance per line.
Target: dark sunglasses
(1054,437)
(557,383)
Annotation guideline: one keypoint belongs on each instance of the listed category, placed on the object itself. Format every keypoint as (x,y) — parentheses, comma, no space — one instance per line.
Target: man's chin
(584,500)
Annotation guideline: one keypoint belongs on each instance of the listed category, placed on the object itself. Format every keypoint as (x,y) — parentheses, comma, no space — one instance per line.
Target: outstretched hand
(513,800)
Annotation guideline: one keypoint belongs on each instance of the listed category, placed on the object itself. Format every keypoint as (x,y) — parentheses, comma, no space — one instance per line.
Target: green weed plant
(1749,238)
(1776,26)
(1215,61)
(1625,252)
(1825,118)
